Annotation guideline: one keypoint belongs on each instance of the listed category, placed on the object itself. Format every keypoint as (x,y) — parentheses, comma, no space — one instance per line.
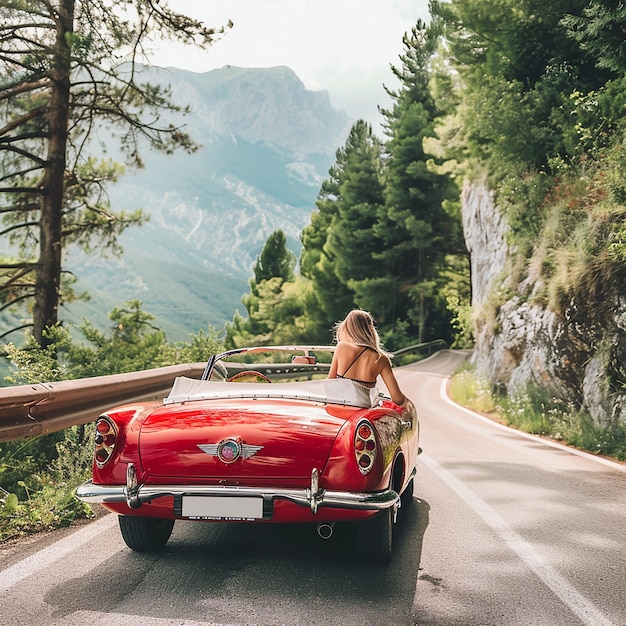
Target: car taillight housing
(106,437)
(365,446)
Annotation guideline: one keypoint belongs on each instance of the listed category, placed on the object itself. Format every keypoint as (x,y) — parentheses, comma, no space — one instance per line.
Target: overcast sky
(342,46)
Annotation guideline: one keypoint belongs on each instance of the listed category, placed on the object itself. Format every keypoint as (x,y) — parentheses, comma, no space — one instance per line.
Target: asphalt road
(505,529)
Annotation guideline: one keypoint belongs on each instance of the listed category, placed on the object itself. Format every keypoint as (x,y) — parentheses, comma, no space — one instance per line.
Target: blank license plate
(216,507)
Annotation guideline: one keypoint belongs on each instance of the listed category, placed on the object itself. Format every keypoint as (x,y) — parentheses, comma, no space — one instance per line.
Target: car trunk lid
(225,441)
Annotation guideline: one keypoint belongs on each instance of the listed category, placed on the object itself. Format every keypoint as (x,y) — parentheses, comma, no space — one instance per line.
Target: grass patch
(470,391)
(534,412)
(42,498)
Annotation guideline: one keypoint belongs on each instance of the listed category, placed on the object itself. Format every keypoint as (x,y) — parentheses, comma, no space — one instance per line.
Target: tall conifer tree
(340,244)
(414,226)
(273,268)
(61,82)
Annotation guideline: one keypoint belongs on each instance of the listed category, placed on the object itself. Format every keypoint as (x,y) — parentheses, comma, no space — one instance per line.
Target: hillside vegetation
(541,119)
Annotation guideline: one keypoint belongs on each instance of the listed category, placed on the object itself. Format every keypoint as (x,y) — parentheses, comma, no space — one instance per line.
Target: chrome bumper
(135,495)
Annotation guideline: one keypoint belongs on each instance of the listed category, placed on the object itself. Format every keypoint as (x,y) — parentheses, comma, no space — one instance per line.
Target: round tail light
(365,446)
(106,437)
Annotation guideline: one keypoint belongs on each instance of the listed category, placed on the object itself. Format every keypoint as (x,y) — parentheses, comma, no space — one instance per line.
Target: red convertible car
(223,449)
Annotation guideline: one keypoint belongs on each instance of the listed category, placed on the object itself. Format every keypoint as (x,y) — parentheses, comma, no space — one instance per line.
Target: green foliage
(38,476)
(275,260)
(472,391)
(42,485)
(455,290)
(521,70)
(577,252)
(272,304)
(601,31)
(278,305)
(131,344)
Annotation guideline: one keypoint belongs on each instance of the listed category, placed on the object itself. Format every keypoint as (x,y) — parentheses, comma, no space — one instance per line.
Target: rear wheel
(374,537)
(145,534)
(407,495)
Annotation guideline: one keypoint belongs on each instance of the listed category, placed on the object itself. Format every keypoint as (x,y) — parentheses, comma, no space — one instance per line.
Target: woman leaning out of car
(359,356)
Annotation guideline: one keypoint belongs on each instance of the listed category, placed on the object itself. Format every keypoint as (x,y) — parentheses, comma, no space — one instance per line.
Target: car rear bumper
(135,495)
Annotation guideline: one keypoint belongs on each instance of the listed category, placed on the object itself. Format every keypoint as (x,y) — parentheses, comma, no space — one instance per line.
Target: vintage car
(224,449)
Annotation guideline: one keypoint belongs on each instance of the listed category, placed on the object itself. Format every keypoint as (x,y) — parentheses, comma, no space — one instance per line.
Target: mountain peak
(259,105)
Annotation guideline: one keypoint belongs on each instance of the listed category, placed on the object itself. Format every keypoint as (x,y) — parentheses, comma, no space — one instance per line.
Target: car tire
(407,495)
(145,534)
(374,538)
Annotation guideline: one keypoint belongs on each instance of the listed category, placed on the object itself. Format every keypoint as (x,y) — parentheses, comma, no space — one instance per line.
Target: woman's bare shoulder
(346,346)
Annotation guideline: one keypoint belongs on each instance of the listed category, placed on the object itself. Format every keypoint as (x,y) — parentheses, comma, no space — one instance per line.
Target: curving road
(505,529)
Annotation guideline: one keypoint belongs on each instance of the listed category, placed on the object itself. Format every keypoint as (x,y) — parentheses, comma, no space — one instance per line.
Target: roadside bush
(35,496)
(534,412)
(38,476)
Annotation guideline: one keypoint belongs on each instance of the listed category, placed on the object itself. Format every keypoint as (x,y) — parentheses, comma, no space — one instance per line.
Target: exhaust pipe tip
(325,531)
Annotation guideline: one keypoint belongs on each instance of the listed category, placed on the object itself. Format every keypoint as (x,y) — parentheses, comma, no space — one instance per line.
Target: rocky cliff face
(570,355)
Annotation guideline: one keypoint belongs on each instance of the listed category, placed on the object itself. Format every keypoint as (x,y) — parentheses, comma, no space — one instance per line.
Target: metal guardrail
(40,409)
(423,349)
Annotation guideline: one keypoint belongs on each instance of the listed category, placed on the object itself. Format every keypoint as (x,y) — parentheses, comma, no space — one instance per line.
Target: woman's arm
(389,378)
(332,372)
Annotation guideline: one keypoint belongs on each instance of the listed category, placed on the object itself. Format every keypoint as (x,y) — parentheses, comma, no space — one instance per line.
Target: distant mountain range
(267,143)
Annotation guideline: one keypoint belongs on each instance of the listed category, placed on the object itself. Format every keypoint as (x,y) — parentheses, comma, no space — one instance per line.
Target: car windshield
(294,355)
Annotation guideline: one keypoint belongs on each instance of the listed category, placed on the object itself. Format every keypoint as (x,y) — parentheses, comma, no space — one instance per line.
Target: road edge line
(586,610)
(17,572)
(553,444)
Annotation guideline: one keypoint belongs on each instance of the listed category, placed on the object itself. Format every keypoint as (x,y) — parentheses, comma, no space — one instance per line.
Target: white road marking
(587,612)
(553,444)
(80,618)
(54,552)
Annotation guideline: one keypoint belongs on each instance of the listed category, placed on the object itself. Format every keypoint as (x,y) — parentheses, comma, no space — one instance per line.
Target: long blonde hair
(358,327)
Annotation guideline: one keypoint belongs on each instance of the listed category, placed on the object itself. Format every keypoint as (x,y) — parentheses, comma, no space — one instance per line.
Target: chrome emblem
(229,450)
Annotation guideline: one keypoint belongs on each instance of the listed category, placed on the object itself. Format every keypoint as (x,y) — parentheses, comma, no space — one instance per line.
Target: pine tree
(61,81)
(264,303)
(339,245)
(414,226)
(275,260)
(601,31)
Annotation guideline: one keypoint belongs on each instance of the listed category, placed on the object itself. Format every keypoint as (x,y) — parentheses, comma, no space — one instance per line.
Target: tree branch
(24,153)
(10,175)
(6,231)
(7,92)
(13,330)
(19,121)
(21,190)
